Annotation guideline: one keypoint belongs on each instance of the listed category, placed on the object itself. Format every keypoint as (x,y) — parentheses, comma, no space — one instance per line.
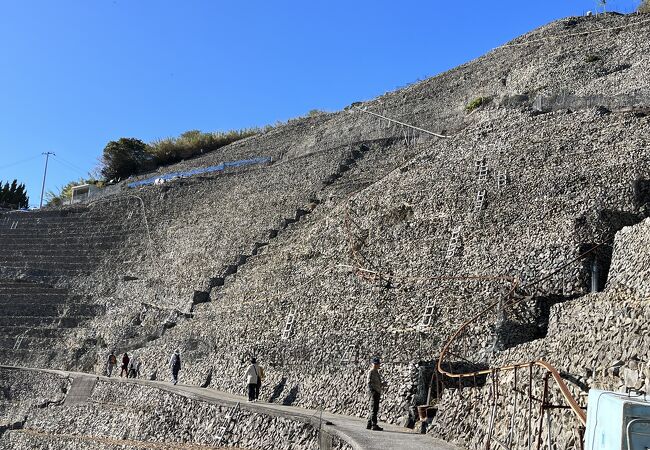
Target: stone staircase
(258,247)
(207,292)
(43,254)
(36,318)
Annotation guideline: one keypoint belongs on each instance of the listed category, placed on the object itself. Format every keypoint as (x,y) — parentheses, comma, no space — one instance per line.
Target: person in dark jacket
(175,365)
(125,365)
(111,363)
(375,388)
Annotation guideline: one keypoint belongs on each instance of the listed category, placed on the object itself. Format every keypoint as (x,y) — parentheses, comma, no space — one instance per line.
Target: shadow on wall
(604,226)
(291,397)
(641,191)
(527,322)
(277,390)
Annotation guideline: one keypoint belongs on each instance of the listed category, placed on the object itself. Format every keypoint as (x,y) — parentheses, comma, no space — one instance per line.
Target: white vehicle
(617,421)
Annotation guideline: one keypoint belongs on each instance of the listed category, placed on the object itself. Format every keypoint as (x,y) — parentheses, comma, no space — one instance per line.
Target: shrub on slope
(128,156)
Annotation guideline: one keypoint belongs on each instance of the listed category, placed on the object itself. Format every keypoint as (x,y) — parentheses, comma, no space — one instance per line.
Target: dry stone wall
(562,195)
(512,192)
(122,415)
(46,256)
(598,341)
(23,392)
(630,270)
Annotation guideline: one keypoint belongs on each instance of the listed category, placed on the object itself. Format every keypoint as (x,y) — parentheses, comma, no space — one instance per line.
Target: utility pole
(47,157)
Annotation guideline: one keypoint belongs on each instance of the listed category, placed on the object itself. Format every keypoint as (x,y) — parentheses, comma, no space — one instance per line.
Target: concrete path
(80,391)
(350,429)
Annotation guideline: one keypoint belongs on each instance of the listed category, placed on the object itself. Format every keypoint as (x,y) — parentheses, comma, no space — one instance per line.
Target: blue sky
(75,74)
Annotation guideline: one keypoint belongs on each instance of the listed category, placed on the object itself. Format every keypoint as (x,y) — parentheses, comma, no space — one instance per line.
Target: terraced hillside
(45,256)
(360,236)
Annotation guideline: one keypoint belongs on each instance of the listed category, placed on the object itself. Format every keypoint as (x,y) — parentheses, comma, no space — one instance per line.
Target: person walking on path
(375,389)
(125,365)
(110,364)
(253,380)
(175,365)
(134,364)
(260,378)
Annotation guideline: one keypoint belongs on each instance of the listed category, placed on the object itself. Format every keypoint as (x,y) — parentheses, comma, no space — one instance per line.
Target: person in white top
(252,378)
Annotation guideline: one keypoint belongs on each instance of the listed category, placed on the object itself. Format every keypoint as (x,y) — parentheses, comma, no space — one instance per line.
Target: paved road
(350,429)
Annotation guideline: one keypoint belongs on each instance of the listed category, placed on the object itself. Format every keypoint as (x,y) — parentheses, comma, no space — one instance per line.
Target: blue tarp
(199,171)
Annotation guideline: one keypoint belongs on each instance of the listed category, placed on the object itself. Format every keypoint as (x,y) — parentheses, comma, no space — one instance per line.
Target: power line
(71,165)
(22,161)
(68,166)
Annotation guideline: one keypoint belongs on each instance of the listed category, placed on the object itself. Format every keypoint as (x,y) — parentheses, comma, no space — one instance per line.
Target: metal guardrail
(210,169)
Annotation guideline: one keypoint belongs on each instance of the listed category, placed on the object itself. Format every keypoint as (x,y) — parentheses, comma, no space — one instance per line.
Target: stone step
(39,332)
(62,246)
(39,357)
(17,342)
(83,234)
(42,299)
(25,354)
(66,247)
(114,226)
(64,251)
(71,258)
(46,265)
(51,310)
(43,268)
(42,217)
(60,221)
(23,287)
(68,239)
(35,321)
(32,299)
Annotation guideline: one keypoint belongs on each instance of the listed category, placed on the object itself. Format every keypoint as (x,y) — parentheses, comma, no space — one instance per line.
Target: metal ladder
(224,424)
(481,168)
(453,242)
(502,179)
(427,318)
(288,326)
(350,354)
(479,200)
(19,339)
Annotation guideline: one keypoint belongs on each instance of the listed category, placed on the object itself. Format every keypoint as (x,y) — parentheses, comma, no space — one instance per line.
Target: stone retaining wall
(631,266)
(402,224)
(21,392)
(598,341)
(528,191)
(131,415)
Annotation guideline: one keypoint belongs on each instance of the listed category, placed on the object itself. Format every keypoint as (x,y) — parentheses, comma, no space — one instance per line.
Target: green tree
(125,157)
(13,195)
(644,7)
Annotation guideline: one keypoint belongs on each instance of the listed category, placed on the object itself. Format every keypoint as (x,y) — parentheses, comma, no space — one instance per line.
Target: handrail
(401,123)
(573,404)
